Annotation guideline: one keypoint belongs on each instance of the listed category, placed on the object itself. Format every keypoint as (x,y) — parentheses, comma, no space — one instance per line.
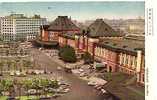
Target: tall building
(18,27)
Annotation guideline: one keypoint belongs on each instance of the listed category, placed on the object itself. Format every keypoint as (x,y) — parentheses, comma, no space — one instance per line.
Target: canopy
(99,65)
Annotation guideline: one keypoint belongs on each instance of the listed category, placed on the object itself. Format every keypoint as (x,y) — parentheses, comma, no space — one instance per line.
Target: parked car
(56,95)
(91,83)
(68,70)
(12,73)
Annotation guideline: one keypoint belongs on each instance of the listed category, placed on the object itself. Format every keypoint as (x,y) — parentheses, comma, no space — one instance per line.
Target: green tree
(36,86)
(27,63)
(7,52)
(44,84)
(27,84)
(1,89)
(36,16)
(9,64)
(67,54)
(54,84)
(7,85)
(1,67)
(87,57)
(14,65)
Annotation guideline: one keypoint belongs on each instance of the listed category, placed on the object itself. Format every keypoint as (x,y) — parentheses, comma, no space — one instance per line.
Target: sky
(80,11)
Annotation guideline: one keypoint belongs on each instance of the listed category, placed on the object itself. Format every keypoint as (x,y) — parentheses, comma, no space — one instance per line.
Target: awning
(45,43)
(99,65)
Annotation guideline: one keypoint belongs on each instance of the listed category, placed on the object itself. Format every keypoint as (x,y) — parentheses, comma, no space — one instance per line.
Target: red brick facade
(123,60)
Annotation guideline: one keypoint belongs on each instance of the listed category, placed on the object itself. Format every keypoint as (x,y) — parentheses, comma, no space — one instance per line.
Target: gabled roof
(100,29)
(63,23)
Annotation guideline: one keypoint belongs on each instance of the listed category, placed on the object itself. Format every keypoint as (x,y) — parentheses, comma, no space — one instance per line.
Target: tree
(44,83)
(1,89)
(7,52)
(9,63)
(21,52)
(1,67)
(54,84)
(67,54)
(14,65)
(85,34)
(35,85)
(36,16)
(7,85)
(87,57)
(27,84)
(60,51)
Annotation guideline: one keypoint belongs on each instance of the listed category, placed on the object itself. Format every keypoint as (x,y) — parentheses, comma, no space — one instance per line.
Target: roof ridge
(98,27)
(63,23)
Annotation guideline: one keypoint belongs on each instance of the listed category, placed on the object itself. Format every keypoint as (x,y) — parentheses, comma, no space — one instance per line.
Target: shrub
(67,54)
(87,57)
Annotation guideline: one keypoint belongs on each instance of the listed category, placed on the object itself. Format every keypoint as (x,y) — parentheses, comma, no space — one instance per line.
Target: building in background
(128,26)
(19,27)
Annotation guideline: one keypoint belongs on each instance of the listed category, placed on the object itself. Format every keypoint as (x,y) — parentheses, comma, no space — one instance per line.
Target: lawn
(21,98)
(3,97)
(28,98)
(25,97)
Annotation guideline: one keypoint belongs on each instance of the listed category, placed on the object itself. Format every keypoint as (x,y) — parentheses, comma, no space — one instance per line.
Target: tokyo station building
(123,55)
(116,51)
(61,25)
(84,42)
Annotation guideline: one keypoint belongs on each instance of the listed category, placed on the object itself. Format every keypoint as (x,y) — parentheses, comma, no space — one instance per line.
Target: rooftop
(122,45)
(100,29)
(22,16)
(63,23)
(135,37)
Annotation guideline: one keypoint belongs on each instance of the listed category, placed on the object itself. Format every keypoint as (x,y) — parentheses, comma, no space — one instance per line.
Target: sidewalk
(56,59)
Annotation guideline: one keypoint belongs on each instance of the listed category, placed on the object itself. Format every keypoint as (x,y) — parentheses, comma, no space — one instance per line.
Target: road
(79,90)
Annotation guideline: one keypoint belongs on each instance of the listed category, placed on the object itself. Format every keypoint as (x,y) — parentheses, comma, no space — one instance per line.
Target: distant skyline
(80,11)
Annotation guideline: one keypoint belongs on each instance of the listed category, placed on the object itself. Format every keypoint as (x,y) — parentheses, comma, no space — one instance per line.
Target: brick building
(97,30)
(61,25)
(122,55)
(116,51)
(85,41)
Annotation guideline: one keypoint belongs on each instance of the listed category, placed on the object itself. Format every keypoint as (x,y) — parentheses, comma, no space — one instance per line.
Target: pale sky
(77,10)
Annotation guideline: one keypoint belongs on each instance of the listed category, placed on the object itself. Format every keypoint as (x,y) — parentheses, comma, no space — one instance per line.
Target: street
(79,90)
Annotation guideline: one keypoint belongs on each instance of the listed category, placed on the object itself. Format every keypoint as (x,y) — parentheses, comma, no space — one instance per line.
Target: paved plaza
(79,89)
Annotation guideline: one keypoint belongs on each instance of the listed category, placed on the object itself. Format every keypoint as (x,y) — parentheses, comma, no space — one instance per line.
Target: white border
(151,56)
(63,0)
(151,44)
